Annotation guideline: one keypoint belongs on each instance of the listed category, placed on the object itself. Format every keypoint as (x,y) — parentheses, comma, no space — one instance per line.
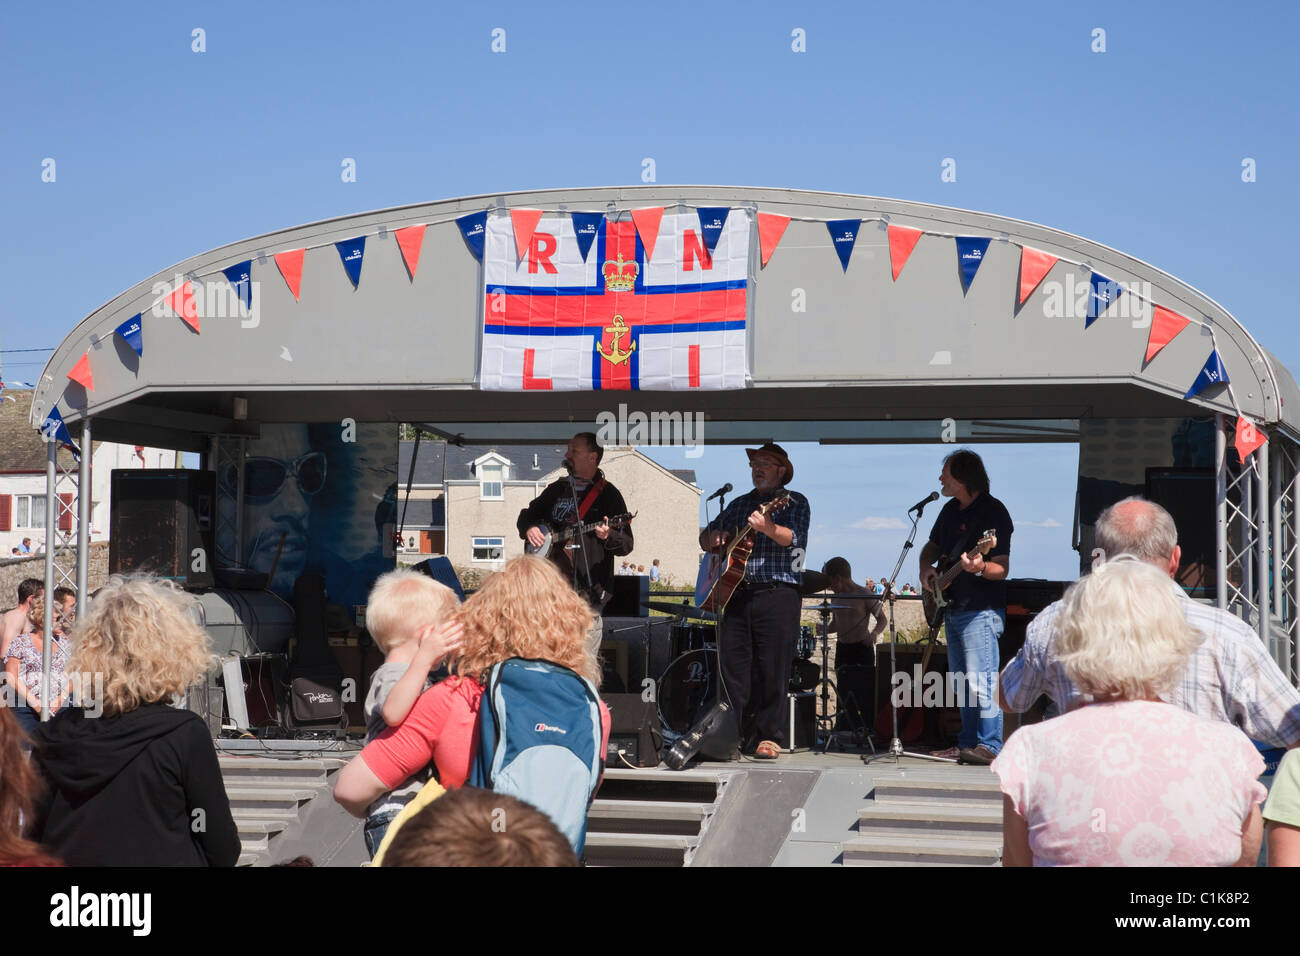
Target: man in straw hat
(758,632)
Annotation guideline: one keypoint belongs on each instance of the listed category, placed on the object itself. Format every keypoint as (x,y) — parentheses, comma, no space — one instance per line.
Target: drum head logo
(695,673)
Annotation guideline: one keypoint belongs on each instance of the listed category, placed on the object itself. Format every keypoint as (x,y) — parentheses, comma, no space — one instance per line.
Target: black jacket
(554,507)
(138,789)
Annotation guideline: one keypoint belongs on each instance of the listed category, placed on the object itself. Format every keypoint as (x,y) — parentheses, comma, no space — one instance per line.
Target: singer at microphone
(583,496)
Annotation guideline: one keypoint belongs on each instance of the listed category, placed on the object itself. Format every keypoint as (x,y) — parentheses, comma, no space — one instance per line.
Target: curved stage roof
(865,348)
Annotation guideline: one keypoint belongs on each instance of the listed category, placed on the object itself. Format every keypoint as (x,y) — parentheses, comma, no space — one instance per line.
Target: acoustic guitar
(933,599)
(728,566)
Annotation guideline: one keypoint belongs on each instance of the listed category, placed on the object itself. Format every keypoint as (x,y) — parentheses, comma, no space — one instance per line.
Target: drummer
(855,643)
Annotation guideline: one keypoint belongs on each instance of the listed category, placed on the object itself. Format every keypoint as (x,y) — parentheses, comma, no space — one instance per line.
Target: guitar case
(315,688)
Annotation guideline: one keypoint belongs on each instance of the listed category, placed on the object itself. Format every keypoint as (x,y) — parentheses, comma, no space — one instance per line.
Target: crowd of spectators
(1155,700)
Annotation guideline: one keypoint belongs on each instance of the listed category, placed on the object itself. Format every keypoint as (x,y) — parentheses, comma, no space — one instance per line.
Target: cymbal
(813,581)
(680,610)
(824,606)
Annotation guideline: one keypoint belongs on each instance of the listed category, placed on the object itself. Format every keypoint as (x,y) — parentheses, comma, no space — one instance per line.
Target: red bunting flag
(81,373)
(181,301)
(525,222)
(1249,437)
(771,228)
(647,227)
(290,264)
(902,240)
(1034,264)
(409,240)
(1164,326)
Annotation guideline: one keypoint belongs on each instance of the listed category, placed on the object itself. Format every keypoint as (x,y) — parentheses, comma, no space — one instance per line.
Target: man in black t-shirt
(977,599)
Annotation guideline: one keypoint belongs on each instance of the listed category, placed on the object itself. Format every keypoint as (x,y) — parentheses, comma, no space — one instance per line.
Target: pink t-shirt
(1132,783)
(440,727)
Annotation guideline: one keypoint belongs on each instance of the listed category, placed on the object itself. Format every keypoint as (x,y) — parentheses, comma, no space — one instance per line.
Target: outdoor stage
(804,809)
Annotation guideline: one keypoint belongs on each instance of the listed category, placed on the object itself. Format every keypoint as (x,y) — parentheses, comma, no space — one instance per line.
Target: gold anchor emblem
(614,356)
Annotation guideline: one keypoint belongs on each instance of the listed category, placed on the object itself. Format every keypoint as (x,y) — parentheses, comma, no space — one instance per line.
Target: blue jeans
(973,651)
(377,828)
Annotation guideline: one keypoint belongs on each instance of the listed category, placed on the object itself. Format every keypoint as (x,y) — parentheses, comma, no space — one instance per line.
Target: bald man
(1229,678)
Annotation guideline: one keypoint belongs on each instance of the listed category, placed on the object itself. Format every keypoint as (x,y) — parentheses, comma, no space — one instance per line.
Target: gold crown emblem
(620,276)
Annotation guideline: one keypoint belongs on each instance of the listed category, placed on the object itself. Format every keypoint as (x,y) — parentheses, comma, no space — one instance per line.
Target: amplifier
(634,723)
(160,522)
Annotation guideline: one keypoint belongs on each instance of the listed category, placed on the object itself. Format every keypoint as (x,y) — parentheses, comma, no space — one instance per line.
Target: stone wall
(14,570)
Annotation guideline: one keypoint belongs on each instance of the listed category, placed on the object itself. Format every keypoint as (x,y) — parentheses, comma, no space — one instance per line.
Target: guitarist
(597,498)
(977,609)
(756,638)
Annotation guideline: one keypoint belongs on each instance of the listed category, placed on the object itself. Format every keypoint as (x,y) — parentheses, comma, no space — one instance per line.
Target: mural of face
(282,473)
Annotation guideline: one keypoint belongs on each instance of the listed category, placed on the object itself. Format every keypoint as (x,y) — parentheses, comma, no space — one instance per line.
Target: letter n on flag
(554,319)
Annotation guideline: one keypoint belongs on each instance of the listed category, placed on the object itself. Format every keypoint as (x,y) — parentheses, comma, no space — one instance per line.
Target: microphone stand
(578,542)
(896,744)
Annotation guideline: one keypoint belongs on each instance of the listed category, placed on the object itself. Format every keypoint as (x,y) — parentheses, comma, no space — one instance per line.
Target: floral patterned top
(29,664)
(1132,783)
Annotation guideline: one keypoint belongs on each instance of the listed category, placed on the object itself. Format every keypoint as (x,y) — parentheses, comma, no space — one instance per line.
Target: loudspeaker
(648,648)
(634,725)
(160,522)
(630,591)
(1188,494)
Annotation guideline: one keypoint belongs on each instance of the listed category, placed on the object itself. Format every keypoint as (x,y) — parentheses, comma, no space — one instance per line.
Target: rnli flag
(554,319)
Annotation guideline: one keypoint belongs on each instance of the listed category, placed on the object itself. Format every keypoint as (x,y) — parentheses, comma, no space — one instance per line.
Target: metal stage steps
(652,817)
(271,798)
(951,818)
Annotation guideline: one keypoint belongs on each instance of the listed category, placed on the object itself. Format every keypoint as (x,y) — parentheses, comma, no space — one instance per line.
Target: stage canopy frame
(865,320)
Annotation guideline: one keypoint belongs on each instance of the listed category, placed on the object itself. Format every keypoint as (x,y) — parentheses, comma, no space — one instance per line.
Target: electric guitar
(555,537)
(728,567)
(933,600)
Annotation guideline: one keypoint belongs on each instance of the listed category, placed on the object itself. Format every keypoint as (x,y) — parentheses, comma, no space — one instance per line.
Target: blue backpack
(539,740)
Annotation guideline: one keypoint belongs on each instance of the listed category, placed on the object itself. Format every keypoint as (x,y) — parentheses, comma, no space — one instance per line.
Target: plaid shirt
(1228,678)
(769,561)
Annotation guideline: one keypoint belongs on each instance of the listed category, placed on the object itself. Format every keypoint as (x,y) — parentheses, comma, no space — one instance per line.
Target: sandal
(767,750)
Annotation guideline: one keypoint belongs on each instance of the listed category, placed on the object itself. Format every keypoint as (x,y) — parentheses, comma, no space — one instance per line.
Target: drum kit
(690,684)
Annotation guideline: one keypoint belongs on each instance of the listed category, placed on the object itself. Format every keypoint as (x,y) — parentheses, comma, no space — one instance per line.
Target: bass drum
(688,687)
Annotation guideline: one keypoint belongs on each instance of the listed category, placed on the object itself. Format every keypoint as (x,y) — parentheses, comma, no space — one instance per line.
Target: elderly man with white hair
(1229,677)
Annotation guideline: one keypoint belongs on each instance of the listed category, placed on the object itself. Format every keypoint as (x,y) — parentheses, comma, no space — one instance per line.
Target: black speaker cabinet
(160,522)
(1189,495)
(630,590)
(633,730)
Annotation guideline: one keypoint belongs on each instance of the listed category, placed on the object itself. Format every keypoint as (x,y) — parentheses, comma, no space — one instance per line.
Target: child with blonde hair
(410,618)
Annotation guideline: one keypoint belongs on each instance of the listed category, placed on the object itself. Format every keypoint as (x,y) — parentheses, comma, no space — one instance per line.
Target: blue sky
(161,152)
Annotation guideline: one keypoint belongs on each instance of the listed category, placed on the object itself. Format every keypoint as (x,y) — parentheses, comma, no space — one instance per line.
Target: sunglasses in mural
(265,477)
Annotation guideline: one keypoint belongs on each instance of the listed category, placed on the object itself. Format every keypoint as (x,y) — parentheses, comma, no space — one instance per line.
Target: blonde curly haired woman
(528,610)
(130,779)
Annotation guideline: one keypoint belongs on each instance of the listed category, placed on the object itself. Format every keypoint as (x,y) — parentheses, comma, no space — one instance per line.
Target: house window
(490,477)
(489,549)
(29,511)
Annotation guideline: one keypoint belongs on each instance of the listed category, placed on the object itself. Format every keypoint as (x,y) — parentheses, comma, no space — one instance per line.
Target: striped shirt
(1228,678)
(769,561)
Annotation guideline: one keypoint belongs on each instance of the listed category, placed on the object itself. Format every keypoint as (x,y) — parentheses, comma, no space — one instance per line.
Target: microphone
(920,505)
(720,492)
(568,466)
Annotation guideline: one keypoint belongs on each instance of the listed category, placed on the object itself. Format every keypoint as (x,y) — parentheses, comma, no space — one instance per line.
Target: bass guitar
(728,565)
(555,537)
(933,599)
